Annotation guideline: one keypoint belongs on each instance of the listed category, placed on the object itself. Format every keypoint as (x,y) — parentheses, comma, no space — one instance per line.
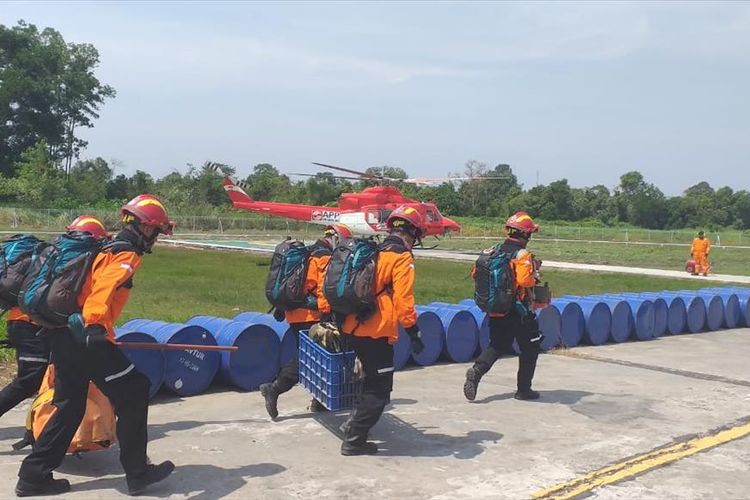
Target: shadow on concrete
(558,396)
(196,482)
(401,439)
(106,462)
(14,433)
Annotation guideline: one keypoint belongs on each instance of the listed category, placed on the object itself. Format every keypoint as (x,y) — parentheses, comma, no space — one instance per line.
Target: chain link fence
(24,219)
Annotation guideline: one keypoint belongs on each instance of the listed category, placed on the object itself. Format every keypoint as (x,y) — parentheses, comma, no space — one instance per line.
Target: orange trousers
(701,264)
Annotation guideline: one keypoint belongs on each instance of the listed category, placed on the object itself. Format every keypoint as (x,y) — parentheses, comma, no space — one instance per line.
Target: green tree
(88,181)
(39,182)
(267,184)
(48,90)
(641,203)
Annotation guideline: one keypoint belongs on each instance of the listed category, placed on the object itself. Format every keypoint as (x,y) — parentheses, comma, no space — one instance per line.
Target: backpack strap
(118,246)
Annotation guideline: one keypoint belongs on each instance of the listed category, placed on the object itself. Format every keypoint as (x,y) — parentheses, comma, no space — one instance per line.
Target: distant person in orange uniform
(700,250)
(520,323)
(303,318)
(372,338)
(31,341)
(86,352)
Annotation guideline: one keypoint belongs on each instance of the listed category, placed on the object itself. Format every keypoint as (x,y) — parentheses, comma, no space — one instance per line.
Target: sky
(582,91)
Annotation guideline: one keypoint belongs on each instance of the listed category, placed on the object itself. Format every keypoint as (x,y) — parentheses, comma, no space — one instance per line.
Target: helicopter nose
(450,225)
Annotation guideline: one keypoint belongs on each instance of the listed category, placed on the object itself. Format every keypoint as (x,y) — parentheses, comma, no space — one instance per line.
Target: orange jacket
(700,247)
(16,314)
(394,282)
(107,287)
(313,284)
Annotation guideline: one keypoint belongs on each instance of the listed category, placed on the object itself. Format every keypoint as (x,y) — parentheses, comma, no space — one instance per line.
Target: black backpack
(285,285)
(15,257)
(350,277)
(494,281)
(57,272)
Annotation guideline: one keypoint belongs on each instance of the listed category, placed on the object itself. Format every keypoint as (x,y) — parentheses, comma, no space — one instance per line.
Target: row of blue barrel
(597,319)
(452,332)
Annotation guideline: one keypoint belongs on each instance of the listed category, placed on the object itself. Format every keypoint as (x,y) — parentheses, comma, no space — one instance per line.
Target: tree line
(48,90)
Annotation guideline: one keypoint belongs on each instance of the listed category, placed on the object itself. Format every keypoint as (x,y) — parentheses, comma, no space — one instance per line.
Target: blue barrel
(597,321)
(744,311)
(255,362)
(461,331)
(283,330)
(643,318)
(467,303)
(583,319)
(732,314)
(661,312)
(188,372)
(714,310)
(483,321)
(676,315)
(550,324)
(621,317)
(433,336)
(150,363)
(695,308)
(401,349)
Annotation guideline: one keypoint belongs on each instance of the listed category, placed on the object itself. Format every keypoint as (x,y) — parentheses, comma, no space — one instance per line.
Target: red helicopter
(363,213)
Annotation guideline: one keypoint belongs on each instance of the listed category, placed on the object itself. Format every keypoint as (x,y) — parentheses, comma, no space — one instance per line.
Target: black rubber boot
(526,395)
(472,382)
(154,473)
(271,395)
(366,448)
(316,406)
(49,487)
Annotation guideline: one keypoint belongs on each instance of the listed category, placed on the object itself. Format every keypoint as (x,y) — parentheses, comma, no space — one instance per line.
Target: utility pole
(537,177)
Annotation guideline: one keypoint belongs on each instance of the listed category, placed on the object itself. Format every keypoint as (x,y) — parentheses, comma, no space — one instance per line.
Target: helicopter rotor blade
(349,171)
(328,176)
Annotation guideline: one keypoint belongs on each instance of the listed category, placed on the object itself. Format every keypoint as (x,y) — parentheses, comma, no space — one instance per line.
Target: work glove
(415,335)
(279,315)
(88,336)
(96,335)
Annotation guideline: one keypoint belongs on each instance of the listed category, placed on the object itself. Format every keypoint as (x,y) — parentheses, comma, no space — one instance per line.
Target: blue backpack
(15,258)
(494,281)
(349,284)
(285,285)
(57,272)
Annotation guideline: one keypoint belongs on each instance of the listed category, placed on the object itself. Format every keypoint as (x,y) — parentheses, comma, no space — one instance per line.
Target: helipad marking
(632,467)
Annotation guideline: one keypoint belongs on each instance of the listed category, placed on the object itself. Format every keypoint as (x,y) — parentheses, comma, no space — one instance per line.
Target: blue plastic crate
(327,376)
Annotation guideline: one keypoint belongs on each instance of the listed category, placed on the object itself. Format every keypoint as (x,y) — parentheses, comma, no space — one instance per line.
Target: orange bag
(97,429)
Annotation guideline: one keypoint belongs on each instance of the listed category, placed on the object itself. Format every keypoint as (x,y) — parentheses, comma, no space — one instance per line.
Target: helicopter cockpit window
(373,217)
(432,216)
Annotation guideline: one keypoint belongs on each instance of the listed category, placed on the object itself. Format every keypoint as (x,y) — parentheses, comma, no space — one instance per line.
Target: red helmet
(89,224)
(149,210)
(522,222)
(339,230)
(408,214)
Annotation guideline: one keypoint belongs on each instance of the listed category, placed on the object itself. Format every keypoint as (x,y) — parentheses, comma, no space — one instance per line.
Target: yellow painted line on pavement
(643,463)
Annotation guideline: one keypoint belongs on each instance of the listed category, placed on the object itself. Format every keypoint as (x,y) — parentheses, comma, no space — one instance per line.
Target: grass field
(176,284)
(725,260)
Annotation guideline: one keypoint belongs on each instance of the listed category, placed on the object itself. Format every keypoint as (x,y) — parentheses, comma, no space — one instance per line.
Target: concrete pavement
(599,406)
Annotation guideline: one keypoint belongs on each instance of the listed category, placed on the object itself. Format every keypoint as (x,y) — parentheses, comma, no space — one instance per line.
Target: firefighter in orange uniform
(700,250)
(372,338)
(32,342)
(86,351)
(520,323)
(303,319)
